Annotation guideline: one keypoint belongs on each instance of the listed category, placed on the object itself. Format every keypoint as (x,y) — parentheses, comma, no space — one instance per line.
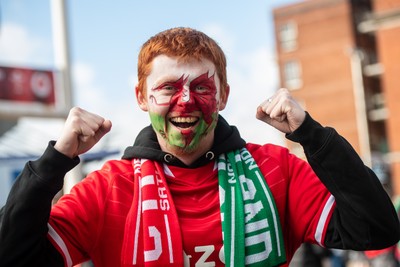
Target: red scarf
(152,232)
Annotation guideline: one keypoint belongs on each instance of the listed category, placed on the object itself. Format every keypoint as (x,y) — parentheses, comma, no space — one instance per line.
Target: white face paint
(185,94)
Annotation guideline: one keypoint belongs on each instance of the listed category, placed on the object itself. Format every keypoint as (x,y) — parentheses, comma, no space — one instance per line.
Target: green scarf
(250,221)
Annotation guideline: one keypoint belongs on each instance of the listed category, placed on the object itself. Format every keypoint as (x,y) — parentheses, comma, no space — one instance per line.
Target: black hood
(227,138)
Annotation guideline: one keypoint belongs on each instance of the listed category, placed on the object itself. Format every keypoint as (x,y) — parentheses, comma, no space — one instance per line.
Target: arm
(23,232)
(364,216)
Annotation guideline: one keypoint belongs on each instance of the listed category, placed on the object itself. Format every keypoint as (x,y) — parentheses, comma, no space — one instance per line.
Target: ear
(224,98)
(141,99)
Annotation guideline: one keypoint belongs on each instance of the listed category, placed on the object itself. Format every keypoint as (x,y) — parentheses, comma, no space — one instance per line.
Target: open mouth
(184,122)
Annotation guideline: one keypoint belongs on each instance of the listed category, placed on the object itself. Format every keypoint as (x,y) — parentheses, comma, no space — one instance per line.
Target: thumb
(103,130)
(262,116)
(279,123)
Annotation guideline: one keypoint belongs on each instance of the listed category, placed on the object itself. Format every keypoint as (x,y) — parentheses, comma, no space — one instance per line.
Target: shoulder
(268,151)
(99,186)
(277,162)
(273,160)
(104,179)
(116,167)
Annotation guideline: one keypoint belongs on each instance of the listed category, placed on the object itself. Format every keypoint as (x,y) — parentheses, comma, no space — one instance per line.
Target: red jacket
(97,208)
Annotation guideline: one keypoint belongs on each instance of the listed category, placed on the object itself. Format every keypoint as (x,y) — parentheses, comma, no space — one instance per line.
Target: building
(340,60)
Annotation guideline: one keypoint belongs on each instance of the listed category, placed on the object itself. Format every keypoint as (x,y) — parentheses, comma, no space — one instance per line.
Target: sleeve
(310,204)
(24,218)
(76,220)
(363,217)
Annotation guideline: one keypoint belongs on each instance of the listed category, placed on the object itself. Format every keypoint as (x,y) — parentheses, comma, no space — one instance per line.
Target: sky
(105,37)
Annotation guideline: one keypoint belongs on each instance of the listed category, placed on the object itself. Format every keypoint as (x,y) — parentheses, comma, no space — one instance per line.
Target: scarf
(250,222)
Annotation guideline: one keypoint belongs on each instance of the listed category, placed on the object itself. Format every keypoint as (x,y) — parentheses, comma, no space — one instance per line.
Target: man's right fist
(82,130)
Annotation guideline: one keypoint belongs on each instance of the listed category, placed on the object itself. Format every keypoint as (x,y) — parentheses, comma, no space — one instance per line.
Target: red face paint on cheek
(205,99)
(202,98)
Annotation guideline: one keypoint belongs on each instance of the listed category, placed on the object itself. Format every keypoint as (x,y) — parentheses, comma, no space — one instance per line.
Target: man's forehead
(170,69)
(171,64)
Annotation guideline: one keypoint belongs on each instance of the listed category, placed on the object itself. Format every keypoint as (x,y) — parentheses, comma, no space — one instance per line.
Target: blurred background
(338,57)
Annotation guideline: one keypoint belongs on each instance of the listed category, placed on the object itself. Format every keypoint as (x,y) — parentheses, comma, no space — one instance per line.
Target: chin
(187,150)
(197,143)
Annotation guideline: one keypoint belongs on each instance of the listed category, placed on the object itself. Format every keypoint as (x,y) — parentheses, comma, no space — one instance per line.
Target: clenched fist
(82,130)
(281,111)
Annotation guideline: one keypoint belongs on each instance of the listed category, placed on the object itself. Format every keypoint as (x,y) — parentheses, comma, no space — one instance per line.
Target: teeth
(184,119)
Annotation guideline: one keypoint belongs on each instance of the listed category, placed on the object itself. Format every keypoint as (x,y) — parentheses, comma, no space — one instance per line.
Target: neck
(188,157)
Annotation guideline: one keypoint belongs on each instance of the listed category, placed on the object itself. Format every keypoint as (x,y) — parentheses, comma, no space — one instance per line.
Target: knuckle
(285,90)
(75,120)
(75,110)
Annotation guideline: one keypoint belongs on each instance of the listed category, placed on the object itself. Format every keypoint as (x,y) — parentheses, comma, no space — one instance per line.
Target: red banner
(27,85)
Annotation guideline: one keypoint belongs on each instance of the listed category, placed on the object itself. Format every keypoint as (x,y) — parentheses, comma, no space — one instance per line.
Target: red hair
(184,44)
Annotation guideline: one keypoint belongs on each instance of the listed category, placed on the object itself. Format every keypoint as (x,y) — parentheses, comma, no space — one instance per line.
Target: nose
(185,97)
(185,94)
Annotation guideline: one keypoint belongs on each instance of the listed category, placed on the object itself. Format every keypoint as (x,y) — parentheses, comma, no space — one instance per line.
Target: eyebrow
(173,79)
(203,77)
(168,79)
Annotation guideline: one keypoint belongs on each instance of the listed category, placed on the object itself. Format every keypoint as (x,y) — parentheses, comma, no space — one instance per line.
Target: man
(190,191)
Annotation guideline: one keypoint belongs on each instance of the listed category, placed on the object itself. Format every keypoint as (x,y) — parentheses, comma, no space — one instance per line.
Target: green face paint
(188,140)
(158,123)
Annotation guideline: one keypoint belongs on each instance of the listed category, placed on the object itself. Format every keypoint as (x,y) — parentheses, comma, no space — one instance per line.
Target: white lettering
(251,210)
(150,204)
(158,179)
(264,238)
(147,180)
(162,192)
(248,188)
(207,251)
(186,259)
(222,254)
(154,254)
(255,226)
(248,159)
(221,200)
(230,173)
(164,204)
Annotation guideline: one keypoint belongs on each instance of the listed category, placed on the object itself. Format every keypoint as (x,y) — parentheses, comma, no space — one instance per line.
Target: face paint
(200,96)
(205,95)
(161,95)
(185,94)
(184,110)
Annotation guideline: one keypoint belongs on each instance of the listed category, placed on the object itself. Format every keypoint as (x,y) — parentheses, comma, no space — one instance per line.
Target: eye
(168,87)
(201,89)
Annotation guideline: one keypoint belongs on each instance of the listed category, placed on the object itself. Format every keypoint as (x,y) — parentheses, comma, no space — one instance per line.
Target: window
(292,74)
(288,36)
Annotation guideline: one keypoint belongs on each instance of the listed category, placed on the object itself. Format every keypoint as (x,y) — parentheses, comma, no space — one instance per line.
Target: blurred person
(191,191)
(314,255)
(382,257)
(357,259)
(338,257)
(387,257)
